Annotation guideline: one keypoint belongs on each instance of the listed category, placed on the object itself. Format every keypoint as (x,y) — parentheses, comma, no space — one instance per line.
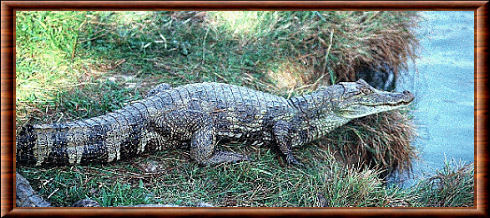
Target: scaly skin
(200,115)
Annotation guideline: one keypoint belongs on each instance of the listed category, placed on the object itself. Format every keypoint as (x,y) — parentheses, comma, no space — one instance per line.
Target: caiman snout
(407,96)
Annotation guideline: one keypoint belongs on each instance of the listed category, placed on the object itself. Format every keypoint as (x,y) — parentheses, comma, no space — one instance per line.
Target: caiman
(200,115)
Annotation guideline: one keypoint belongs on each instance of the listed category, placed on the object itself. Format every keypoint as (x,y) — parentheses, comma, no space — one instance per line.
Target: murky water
(444,88)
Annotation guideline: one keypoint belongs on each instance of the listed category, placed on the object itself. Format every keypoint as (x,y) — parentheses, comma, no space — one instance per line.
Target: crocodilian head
(359,99)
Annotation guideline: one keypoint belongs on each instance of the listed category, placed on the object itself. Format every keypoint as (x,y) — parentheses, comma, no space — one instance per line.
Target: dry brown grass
(359,40)
(380,141)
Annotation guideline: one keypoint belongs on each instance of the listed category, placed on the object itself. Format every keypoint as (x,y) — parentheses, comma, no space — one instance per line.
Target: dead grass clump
(380,141)
(349,42)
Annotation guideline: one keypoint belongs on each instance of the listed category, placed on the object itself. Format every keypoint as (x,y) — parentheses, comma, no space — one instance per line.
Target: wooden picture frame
(8,102)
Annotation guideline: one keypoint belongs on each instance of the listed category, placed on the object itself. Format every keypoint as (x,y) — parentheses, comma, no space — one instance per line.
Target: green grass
(74,65)
(262,182)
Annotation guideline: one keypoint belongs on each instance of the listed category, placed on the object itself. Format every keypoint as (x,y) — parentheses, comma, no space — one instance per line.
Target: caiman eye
(366,91)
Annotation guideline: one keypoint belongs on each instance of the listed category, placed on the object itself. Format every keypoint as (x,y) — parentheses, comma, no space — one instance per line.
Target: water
(443,84)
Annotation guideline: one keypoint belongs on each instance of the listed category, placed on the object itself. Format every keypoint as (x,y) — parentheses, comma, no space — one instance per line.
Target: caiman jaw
(360,99)
(405,99)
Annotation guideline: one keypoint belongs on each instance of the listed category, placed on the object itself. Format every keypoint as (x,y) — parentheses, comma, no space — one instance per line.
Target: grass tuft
(452,186)
(380,141)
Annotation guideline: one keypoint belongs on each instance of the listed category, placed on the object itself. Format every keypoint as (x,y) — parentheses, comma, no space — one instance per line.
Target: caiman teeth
(391,104)
(400,103)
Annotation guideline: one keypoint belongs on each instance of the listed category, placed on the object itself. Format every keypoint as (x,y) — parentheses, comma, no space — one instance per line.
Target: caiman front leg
(199,129)
(282,136)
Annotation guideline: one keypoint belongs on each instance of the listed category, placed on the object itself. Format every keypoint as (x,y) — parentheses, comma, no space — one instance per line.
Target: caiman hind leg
(199,129)
(282,136)
(203,144)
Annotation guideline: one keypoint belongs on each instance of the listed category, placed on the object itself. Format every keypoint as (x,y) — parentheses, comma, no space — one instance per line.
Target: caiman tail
(100,139)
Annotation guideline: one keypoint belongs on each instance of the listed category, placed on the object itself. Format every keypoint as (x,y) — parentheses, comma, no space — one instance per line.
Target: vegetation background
(75,65)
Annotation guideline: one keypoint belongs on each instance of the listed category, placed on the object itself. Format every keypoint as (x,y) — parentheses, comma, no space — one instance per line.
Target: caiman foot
(292,161)
(225,157)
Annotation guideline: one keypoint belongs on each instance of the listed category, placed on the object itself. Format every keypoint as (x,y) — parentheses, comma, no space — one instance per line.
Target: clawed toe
(292,161)
(226,157)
